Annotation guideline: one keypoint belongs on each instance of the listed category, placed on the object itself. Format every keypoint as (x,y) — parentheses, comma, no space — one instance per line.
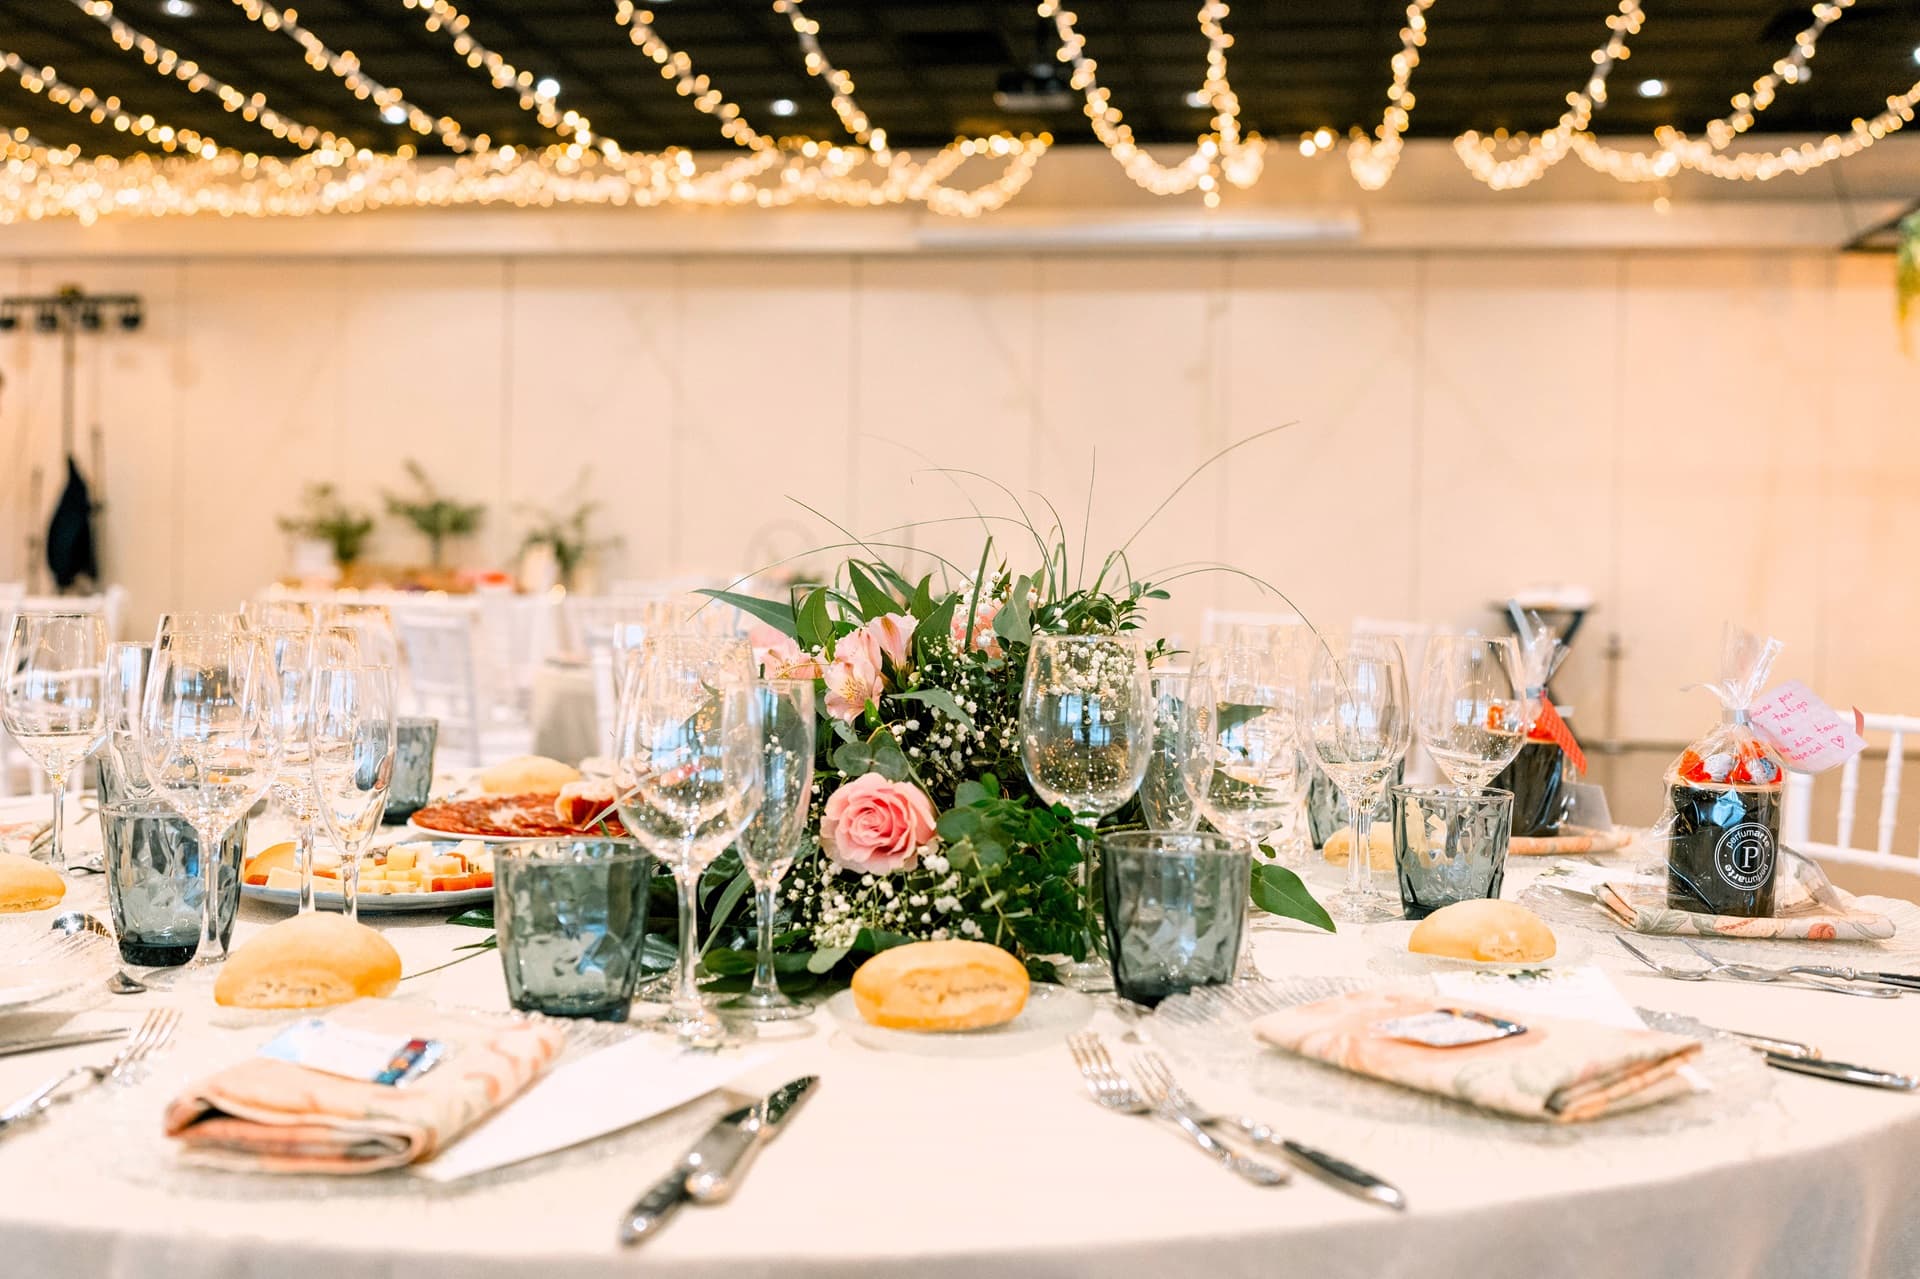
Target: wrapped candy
(1724,795)
(1536,774)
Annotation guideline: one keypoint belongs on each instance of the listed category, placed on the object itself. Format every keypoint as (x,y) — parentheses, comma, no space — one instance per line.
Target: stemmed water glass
(1086,734)
(1246,722)
(292,651)
(774,837)
(689,774)
(207,741)
(55,698)
(1356,720)
(350,746)
(1474,711)
(1178,766)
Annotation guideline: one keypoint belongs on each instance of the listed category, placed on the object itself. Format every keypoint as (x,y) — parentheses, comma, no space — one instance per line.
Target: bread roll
(527,774)
(309,961)
(26,884)
(1379,841)
(940,985)
(1493,932)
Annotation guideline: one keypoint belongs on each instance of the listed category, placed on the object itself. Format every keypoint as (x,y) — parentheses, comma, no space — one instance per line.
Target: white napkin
(603,1092)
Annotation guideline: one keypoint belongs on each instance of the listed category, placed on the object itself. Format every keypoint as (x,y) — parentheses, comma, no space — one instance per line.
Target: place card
(1584,878)
(603,1092)
(1577,994)
(1809,733)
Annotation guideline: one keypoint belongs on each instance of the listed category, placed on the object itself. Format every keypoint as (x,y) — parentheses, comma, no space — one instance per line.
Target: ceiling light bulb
(1653,88)
(547,88)
(1200,101)
(177,8)
(1323,137)
(1916,53)
(395,114)
(782,107)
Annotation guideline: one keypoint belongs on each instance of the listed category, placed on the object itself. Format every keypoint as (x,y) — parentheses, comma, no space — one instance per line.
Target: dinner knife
(61,1041)
(1844,1072)
(715,1180)
(1344,1176)
(726,1141)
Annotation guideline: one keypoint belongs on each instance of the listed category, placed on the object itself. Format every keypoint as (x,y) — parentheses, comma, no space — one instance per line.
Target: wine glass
(292,651)
(1177,767)
(771,840)
(268,613)
(1086,733)
(689,773)
(1356,720)
(55,698)
(1473,712)
(122,775)
(207,741)
(1245,722)
(350,745)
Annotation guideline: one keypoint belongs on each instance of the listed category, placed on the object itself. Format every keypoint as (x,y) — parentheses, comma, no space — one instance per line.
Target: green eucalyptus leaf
(1278,891)
(823,961)
(941,700)
(773,612)
(853,758)
(478,917)
(723,962)
(888,759)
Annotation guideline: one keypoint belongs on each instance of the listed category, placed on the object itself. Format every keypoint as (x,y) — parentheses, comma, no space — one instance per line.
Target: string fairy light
(1223,153)
(443,16)
(46,82)
(165,61)
(1537,155)
(1373,160)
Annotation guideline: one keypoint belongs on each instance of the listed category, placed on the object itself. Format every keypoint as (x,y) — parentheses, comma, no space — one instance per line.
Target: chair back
(1858,836)
(440,644)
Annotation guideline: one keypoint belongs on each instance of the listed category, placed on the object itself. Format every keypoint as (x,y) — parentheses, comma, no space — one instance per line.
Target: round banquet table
(937,1166)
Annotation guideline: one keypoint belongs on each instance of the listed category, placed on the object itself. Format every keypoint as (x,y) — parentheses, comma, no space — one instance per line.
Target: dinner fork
(1760,972)
(1112,1091)
(155,1030)
(1726,971)
(1337,1173)
(1756,973)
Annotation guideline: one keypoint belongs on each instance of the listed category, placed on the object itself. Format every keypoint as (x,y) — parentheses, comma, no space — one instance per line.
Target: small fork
(1112,1091)
(1797,973)
(154,1031)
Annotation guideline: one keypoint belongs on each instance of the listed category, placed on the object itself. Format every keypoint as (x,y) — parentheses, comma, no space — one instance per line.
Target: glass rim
(1444,793)
(59,614)
(560,849)
(1198,843)
(1117,637)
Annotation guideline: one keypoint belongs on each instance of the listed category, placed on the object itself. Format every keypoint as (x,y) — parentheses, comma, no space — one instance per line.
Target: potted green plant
(436,516)
(564,536)
(327,520)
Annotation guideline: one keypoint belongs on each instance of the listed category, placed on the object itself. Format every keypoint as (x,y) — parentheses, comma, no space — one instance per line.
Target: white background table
(944,1167)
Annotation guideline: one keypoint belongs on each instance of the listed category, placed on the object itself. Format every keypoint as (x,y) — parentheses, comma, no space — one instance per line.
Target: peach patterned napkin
(1822,914)
(1561,1070)
(263,1115)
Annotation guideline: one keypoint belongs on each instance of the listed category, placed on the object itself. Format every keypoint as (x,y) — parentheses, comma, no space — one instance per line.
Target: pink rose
(892,634)
(872,824)
(853,681)
(983,637)
(779,656)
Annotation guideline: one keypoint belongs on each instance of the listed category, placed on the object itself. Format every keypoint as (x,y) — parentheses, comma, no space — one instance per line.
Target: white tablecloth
(938,1167)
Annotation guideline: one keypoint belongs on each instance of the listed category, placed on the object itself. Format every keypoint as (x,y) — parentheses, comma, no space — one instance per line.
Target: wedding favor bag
(1537,773)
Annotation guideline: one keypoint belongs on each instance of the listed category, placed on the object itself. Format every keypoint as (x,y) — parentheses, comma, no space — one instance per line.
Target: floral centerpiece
(926,825)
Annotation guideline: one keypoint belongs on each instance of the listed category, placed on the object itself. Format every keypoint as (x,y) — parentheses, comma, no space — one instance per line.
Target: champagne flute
(1473,712)
(1178,765)
(292,650)
(122,775)
(688,772)
(55,699)
(1086,733)
(208,745)
(350,745)
(774,837)
(1357,723)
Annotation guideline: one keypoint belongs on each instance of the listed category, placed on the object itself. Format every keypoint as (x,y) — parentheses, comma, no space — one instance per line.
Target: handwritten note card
(1811,734)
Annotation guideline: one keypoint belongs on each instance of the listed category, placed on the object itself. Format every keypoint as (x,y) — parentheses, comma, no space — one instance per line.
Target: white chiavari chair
(1869,843)
(449,678)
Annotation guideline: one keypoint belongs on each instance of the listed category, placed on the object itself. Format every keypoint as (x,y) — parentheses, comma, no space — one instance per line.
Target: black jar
(1534,777)
(1724,849)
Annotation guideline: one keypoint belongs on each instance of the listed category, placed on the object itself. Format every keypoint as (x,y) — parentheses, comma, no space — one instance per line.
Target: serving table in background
(962,1166)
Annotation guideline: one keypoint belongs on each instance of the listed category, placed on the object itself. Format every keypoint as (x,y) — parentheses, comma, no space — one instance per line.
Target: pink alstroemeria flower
(893,635)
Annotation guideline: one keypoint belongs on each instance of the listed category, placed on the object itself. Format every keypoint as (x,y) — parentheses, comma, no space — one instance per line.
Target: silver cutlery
(1844,1072)
(1113,1091)
(153,1033)
(716,1161)
(1724,972)
(1899,981)
(1792,976)
(1336,1172)
(69,1040)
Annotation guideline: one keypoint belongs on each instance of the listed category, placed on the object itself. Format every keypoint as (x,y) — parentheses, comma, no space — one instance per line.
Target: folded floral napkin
(1560,1070)
(1802,911)
(264,1115)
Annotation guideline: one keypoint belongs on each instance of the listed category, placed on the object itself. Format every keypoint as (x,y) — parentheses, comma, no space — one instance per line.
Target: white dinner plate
(374,903)
(1052,1013)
